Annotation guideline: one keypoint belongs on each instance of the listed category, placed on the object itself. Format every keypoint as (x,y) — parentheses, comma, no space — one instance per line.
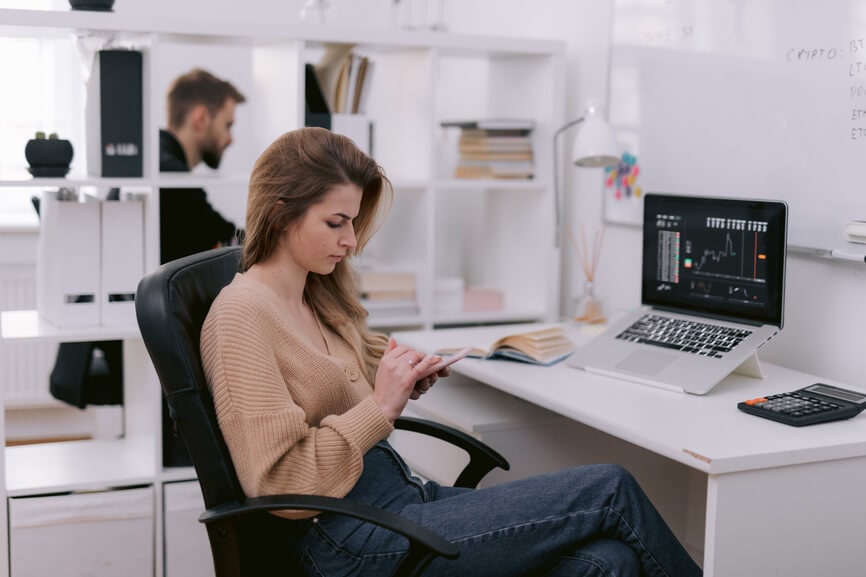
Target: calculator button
(756,401)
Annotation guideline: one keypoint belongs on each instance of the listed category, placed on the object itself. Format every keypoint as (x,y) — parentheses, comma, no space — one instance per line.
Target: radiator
(24,365)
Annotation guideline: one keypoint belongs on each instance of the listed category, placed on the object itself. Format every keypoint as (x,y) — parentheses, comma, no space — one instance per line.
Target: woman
(306,395)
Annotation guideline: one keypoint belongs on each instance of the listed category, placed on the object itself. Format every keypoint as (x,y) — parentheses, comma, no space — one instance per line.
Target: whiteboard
(745,98)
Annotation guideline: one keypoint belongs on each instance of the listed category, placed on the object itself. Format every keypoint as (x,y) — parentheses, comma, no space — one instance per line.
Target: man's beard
(211,157)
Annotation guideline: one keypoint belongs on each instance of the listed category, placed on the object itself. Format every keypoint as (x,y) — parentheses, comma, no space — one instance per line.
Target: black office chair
(246,540)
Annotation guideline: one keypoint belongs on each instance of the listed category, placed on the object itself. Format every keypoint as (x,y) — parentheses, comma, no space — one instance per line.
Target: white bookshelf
(495,234)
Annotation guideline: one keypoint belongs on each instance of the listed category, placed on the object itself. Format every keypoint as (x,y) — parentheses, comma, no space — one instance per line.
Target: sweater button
(353,373)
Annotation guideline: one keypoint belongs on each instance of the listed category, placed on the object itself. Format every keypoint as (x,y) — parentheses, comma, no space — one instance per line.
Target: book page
(542,346)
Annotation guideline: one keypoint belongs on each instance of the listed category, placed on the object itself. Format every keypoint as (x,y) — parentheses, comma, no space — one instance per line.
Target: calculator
(818,403)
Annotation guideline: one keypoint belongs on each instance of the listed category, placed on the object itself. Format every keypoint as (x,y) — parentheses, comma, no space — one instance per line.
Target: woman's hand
(424,384)
(400,370)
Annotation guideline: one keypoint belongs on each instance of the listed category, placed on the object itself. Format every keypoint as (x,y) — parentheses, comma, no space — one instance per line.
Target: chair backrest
(171,305)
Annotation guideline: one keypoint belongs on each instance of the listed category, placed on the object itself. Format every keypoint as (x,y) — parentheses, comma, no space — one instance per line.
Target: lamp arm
(556,207)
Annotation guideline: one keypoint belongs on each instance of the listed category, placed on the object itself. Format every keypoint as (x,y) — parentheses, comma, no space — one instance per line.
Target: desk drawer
(99,534)
(187,548)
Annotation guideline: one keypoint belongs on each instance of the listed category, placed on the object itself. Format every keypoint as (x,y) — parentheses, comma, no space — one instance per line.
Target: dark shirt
(187,222)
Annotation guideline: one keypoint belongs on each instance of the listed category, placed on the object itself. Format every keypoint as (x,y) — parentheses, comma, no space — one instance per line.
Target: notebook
(712,293)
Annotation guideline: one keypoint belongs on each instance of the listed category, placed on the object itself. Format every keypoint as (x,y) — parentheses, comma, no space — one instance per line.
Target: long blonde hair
(295,172)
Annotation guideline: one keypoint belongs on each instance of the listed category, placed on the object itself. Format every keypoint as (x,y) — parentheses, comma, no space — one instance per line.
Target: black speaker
(114,114)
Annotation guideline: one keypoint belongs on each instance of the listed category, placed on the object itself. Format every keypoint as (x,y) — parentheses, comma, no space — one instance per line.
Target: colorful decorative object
(622,178)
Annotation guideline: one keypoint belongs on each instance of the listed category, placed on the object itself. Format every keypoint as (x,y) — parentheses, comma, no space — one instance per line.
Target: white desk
(780,500)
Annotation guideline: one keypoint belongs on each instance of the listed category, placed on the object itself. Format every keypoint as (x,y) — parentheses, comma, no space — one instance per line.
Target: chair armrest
(482,459)
(424,544)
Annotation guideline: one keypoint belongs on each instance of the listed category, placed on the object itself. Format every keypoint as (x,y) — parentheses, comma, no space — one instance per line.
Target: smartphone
(449,360)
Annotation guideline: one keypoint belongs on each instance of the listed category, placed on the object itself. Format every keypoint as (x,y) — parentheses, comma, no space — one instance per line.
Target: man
(201,112)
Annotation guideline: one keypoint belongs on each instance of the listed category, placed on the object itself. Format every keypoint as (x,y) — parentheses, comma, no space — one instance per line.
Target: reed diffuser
(588,307)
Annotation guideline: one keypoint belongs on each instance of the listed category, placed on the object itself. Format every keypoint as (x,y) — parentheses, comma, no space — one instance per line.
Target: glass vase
(589,307)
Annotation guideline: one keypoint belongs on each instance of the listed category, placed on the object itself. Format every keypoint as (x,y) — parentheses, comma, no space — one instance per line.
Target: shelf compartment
(79,466)
(163,181)
(533,185)
(508,315)
(16,325)
(45,23)
(384,321)
(509,233)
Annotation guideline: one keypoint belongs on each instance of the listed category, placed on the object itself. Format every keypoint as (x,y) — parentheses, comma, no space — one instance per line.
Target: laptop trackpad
(645,362)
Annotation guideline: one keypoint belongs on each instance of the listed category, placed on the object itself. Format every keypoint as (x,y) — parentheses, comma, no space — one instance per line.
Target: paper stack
(388,292)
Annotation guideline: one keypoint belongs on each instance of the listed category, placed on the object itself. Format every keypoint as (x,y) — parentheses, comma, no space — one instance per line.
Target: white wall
(825,314)
(825,310)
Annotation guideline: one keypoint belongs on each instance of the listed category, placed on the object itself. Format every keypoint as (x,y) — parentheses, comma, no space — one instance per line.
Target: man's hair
(198,87)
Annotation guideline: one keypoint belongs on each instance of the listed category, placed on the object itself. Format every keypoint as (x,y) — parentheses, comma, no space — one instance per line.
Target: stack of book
(388,292)
(494,148)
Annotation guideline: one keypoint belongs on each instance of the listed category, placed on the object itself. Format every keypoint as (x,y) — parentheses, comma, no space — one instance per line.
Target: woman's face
(326,234)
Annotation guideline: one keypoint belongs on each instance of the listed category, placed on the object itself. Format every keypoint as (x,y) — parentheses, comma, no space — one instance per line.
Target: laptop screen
(720,257)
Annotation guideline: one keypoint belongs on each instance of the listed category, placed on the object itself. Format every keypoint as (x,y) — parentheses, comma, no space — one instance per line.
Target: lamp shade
(594,147)
(595,144)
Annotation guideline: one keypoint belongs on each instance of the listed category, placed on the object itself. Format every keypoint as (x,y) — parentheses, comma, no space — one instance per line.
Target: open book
(541,347)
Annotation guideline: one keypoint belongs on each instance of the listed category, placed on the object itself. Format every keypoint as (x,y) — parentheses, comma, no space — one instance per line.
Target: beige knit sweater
(295,419)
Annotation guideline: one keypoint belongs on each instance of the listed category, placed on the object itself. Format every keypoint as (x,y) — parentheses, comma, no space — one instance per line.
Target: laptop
(712,293)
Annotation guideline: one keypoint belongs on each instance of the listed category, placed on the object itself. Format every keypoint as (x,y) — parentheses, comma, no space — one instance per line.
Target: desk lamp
(594,147)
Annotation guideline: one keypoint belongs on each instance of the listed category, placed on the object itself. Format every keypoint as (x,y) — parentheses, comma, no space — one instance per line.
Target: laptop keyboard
(690,336)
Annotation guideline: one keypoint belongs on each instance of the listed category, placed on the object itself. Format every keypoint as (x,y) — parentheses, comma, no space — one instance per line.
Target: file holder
(68,262)
(122,259)
(114,114)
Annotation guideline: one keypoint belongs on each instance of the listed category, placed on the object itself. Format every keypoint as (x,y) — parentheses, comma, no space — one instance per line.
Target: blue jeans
(586,521)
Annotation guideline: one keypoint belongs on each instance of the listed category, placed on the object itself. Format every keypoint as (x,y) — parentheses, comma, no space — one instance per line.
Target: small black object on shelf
(48,156)
(97,5)
(48,171)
